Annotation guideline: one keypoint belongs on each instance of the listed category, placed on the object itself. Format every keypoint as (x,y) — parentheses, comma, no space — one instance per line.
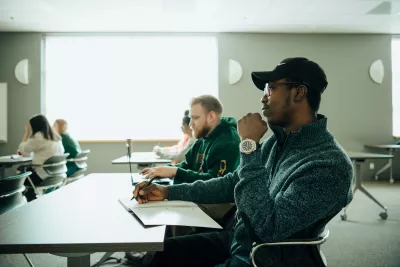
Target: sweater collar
(308,134)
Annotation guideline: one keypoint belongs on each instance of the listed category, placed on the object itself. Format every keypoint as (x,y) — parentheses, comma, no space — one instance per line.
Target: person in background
(42,144)
(215,151)
(177,153)
(71,145)
(397,140)
(214,154)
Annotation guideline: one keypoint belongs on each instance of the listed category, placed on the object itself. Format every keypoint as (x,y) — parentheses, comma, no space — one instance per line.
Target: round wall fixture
(377,71)
(21,71)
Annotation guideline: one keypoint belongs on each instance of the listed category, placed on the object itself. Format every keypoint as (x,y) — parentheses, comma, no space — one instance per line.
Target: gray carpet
(364,240)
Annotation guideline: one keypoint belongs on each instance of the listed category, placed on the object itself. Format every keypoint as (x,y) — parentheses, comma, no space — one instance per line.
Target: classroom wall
(23,100)
(358,110)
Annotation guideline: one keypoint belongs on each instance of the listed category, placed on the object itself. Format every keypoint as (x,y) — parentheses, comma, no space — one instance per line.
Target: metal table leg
(104,258)
(76,259)
(82,261)
(358,186)
(387,166)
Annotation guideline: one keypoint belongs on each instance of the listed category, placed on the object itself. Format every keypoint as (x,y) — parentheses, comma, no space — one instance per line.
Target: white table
(9,161)
(141,158)
(77,220)
(391,149)
(358,158)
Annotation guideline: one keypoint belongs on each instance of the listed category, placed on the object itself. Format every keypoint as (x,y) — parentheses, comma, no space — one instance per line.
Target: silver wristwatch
(248,146)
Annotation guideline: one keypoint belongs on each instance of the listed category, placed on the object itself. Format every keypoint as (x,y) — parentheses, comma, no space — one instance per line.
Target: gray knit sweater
(284,188)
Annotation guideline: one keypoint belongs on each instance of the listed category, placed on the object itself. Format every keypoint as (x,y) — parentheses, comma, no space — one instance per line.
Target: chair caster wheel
(383,215)
(343,217)
(376,177)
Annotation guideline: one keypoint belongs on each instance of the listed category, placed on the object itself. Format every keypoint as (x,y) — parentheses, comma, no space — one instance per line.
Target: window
(119,87)
(396,86)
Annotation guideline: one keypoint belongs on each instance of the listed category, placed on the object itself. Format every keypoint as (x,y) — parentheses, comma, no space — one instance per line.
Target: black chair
(11,189)
(80,162)
(302,251)
(56,168)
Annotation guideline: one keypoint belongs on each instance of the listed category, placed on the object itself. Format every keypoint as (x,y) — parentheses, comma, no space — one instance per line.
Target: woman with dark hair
(43,143)
(177,152)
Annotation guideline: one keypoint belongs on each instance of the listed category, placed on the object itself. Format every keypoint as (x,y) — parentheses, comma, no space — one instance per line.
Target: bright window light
(396,86)
(119,87)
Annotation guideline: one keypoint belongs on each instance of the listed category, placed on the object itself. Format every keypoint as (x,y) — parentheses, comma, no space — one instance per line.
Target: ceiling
(294,16)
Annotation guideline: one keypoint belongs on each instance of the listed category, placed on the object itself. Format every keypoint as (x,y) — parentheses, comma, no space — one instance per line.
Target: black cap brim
(263,77)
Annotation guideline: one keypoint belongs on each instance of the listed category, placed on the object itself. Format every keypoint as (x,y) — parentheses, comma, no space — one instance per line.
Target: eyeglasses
(269,87)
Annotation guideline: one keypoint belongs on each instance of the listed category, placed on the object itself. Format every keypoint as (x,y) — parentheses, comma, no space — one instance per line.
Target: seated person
(71,145)
(283,188)
(397,138)
(177,153)
(43,143)
(214,153)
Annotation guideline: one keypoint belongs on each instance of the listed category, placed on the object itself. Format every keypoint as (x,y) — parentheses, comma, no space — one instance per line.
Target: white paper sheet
(170,213)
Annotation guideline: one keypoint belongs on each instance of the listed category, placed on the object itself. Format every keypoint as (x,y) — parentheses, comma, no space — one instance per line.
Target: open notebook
(169,213)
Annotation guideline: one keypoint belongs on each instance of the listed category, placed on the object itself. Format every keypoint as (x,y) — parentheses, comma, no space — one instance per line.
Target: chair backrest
(52,181)
(56,165)
(11,184)
(12,201)
(80,159)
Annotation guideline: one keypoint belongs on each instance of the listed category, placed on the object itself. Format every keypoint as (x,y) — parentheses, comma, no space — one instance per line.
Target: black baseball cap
(297,68)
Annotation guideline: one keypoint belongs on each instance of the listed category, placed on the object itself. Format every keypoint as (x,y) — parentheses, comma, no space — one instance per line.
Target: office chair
(56,167)
(11,189)
(80,163)
(262,254)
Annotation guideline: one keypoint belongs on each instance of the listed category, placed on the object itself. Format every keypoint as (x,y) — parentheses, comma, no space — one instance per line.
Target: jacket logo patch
(200,161)
(222,168)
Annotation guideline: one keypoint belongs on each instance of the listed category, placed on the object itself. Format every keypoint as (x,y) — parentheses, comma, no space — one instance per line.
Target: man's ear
(301,92)
(212,115)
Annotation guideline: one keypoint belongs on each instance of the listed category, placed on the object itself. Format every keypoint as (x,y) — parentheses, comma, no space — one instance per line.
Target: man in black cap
(285,187)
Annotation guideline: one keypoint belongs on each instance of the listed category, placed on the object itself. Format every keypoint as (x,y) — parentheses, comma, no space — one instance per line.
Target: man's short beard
(204,132)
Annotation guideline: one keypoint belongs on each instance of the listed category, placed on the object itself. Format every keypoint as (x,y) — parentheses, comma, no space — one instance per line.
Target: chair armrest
(53,164)
(309,241)
(19,190)
(77,159)
(306,242)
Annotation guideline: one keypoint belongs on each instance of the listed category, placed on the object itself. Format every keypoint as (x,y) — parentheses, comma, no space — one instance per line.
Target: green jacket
(212,156)
(72,147)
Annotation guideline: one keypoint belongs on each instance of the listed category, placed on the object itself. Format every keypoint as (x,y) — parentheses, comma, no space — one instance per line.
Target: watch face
(247,145)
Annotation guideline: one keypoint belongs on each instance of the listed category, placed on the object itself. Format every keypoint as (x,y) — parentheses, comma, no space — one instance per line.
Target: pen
(146,185)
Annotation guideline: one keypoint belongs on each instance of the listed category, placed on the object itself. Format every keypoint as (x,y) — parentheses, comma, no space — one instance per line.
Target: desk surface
(384,146)
(9,160)
(141,158)
(84,216)
(363,155)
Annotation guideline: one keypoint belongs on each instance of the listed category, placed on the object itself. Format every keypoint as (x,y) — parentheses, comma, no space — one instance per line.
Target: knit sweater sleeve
(213,191)
(314,191)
